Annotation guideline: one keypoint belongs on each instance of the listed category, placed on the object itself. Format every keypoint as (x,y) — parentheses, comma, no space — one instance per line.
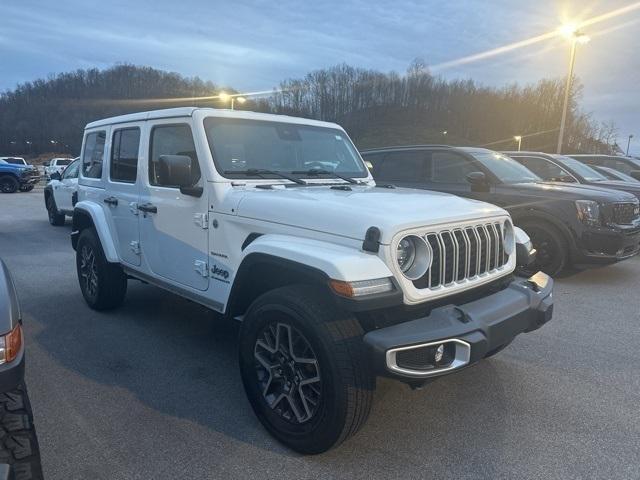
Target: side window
(93,154)
(72,170)
(400,167)
(124,155)
(623,167)
(544,168)
(171,140)
(449,167)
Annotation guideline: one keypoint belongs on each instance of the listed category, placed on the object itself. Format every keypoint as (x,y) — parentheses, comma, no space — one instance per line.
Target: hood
(619,185)
(572,191)
(351,213)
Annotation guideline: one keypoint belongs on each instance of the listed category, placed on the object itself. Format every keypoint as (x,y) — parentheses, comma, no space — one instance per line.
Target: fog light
(439,353)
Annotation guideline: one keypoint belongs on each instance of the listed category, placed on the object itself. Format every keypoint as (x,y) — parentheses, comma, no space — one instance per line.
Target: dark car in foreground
(568,223)
(561,168)
(18,442)
(14,177)
(628,165)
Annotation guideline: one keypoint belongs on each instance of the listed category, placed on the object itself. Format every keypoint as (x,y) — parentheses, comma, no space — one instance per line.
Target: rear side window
(400,167)
(124,155)
(171,140)
(93,154)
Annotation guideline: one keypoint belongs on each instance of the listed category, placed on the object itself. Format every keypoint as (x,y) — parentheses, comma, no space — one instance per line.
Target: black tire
(103,284)
(553,253)
(55,218)
(8,184)
(18,441)
(26,188)
(334,339)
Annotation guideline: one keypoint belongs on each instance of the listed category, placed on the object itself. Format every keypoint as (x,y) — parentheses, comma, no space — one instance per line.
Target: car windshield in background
(505,168)
(245,145)
(63,162)
(583,170)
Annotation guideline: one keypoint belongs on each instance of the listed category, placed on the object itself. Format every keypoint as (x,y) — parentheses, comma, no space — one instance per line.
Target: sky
(253,45)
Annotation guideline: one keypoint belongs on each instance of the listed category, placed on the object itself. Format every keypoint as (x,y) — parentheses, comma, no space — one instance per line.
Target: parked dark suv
(628,165)
(568,224)
(561,168)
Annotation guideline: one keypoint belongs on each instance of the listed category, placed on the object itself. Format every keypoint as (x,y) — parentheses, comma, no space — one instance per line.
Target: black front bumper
(605,245)
(482,325)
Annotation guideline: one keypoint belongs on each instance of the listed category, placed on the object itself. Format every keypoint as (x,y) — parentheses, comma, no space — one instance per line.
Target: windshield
(63,162)
(612,174)
(505,168)
(240,144)
(580,169)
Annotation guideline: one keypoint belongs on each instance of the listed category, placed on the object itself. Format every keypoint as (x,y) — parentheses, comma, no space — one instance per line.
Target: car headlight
(588,212)
(509,237)
(413,255)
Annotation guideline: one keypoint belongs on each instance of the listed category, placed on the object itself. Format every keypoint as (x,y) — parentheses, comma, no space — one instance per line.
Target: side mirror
(55,176)
(635,174)
(176,170)
(478,181)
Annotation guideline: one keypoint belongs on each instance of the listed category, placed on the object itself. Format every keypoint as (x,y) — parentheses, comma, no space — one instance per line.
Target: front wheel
(18,442)
(552,252)
(304,368)
(103,284)
(56,219)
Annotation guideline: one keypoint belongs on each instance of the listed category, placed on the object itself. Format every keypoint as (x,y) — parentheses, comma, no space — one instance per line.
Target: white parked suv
(276,221)
(56,165)
(61,193)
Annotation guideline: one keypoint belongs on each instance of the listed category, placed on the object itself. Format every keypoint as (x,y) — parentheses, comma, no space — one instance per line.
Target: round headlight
(508,237)
(413,255)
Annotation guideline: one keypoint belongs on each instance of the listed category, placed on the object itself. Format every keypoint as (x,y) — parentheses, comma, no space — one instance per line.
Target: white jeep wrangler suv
(276,221)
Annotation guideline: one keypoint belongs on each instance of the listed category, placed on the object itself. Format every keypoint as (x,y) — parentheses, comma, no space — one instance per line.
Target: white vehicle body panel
(194,245)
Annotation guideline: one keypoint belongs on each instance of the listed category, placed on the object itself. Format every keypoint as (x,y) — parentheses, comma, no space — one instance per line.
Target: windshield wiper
(321,171)
(261,172)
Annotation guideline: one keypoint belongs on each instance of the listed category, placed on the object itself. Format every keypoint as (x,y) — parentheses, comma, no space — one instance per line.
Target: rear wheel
(304,368)
(8,184)
(103,284)
(552,251)
(18,442)
(55,218)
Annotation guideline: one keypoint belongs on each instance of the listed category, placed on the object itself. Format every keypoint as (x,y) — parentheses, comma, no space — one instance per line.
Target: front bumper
(603,245)
(470,331)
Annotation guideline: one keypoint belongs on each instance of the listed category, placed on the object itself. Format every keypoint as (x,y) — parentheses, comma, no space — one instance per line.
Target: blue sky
(252,45)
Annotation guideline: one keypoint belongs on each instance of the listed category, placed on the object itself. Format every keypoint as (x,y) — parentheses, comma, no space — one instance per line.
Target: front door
(173,226)
(123,190)
(66,187)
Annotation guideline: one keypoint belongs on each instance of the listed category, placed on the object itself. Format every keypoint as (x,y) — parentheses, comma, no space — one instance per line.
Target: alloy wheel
(88,270)
(288,372)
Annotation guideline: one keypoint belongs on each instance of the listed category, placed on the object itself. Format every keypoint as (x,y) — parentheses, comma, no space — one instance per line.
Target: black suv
(561,168)
(628,165)
(568,224)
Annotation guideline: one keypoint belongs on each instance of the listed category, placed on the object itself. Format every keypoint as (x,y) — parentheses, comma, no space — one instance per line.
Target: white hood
(351,213)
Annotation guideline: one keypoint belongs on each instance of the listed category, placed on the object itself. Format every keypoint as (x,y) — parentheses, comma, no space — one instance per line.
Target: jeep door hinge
(201,267)
(135,246)
(201,219)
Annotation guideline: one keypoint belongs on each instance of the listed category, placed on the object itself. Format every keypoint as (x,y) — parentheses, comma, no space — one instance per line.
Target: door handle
(148,208)
(111,201)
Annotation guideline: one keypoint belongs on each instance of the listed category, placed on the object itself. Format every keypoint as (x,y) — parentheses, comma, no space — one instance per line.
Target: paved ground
(153,391)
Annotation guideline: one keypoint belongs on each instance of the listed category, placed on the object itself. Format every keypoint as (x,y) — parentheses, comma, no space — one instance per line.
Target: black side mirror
(55,176)
(478,181)
(635,174)
(176,170)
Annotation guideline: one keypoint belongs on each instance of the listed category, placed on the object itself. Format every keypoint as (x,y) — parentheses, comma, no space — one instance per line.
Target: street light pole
(518,138)
(629,143)
(576,37)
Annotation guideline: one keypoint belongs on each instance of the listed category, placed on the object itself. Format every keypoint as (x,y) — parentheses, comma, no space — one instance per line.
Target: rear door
(173,225)
(121,203)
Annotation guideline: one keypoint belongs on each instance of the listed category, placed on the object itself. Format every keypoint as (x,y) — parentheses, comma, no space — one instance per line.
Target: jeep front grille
(625,213)
(463,253)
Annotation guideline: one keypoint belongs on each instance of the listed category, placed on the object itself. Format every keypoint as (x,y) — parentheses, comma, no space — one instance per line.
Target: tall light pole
(518,138)
(576,37)
(629,143)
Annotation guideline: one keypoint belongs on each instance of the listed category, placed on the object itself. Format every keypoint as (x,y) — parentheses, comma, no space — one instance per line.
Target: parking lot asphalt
(152,390)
